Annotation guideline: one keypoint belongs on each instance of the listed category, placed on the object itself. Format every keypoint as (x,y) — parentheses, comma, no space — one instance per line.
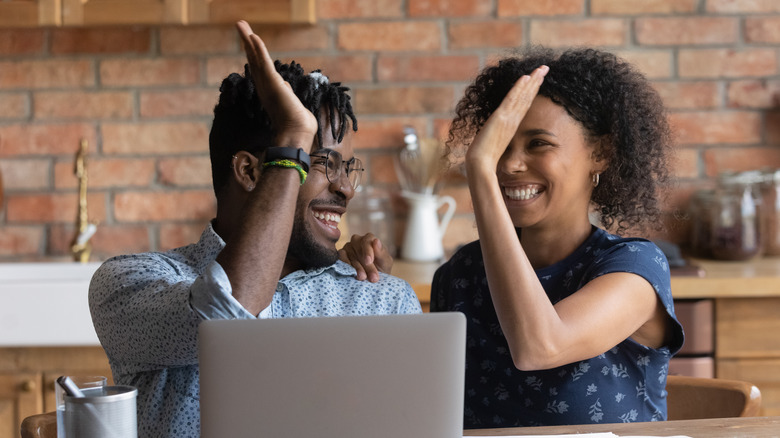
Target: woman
(567,323)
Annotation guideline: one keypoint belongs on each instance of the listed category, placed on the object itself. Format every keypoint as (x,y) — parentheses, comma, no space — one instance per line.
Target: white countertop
(45,304)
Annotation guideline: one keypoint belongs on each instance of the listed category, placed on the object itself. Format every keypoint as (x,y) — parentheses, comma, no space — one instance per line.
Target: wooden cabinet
(20,396)
(253,11)
(748,345)
(29,13)
(27,376)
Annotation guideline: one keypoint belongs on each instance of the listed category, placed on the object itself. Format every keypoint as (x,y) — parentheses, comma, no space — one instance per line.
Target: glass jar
(770,191)
(370,211)
(700,211)
(736,217)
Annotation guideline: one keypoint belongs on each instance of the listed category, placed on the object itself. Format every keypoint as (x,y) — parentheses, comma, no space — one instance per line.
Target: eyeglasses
(333,163)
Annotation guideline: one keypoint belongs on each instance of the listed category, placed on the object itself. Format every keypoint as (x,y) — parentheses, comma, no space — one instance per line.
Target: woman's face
(546,172)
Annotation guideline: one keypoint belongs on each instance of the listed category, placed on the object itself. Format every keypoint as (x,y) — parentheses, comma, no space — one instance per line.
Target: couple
(284,170)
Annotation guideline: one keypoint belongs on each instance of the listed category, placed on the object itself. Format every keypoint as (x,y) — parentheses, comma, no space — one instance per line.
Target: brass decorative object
(81,248)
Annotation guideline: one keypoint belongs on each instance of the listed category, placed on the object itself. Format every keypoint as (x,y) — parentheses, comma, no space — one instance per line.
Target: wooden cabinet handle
(29,386)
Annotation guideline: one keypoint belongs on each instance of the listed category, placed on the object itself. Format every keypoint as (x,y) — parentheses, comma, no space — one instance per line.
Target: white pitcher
(424,230)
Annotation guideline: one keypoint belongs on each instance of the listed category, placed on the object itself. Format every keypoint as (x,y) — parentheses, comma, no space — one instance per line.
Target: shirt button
(279,287)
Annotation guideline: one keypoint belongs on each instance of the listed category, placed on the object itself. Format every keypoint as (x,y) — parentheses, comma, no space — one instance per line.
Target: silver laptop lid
(355,376)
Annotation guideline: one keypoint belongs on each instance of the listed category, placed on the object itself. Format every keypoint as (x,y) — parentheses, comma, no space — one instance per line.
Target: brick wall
(142,97)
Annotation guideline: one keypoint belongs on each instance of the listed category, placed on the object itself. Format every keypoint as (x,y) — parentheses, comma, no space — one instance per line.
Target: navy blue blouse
(624,384)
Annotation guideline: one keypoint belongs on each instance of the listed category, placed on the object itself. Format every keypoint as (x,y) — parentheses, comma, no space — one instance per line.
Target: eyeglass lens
(335,164)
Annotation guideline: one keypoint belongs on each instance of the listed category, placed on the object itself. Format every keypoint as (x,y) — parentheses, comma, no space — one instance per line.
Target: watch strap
(288,153)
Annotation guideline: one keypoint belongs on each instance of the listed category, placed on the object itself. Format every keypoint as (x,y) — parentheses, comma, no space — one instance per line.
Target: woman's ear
(246,170)
(600,155)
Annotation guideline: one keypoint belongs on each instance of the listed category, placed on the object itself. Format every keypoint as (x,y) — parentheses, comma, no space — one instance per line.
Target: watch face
(275,153)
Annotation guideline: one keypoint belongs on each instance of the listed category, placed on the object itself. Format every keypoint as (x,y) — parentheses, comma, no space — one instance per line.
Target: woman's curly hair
(619,110)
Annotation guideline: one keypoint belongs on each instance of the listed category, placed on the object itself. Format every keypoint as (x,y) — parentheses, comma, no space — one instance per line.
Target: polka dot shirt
(146,309)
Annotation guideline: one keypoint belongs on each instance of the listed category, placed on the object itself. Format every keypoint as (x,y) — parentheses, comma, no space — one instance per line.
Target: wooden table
(709,428)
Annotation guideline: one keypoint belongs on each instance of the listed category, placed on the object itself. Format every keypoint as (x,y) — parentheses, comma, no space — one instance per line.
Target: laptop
(327,377)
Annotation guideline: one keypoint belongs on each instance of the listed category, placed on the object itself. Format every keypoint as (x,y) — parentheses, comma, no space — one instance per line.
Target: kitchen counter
(759,277)
(45,304)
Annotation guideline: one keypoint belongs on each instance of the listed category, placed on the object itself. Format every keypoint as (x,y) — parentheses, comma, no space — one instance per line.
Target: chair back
(40,426)
(699,397)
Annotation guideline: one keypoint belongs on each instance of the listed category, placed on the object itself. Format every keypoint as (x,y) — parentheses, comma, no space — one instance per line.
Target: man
(284,171)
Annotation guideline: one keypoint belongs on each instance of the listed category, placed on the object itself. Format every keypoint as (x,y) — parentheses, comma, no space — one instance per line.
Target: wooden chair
(40,426)
(698,397)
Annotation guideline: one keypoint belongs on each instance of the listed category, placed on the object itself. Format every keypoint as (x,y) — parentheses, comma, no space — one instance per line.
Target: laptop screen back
(355,376)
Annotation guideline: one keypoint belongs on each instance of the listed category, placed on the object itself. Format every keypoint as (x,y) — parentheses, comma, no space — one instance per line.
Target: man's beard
(308,252)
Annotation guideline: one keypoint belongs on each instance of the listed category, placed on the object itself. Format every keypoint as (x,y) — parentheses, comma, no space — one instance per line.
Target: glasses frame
(353,166)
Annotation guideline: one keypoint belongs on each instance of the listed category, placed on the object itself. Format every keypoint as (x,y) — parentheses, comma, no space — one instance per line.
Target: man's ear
(246,170)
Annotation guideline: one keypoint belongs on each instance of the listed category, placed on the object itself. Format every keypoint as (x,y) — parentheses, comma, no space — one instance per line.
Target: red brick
(654,64)
(174,236)
(686,30)
(742,6)
(689,95)
(623,7)
(161,206)
(462,196)
(107,173)
(13,106)
(154,138)
(387,132)
(762,30)
(381,169)
(51,73)
(478,34)
(737,159)
(29,139)
(198,40)
(289,38)
(24,174)
(427,68)
(218,68)
(773,127)
(21,41)
(403,100)
(146,72)
(524,8)
(83,105)
(592,32)
(185,171)
(754,94)
(53,207)
(717,63)
(342,9)
(102,40)
(390,36)
(172,103)
(108,241)
(17,240)
(685,163)
(449,8)
(715,128)
(344,68)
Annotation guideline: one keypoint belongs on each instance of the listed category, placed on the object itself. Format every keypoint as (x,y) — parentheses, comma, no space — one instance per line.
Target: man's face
(319,209)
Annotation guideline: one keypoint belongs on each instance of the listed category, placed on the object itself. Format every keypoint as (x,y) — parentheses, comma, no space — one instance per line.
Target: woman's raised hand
(295,125)
(494,137)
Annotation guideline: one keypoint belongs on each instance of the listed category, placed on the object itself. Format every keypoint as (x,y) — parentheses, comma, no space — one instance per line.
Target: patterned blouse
(624,384)
(146,309)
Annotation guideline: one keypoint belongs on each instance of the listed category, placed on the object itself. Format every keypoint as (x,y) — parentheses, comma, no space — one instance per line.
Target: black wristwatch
(288,153)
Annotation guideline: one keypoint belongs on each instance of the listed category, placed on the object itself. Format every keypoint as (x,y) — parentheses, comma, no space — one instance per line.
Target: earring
(232,162)
(595,180)
(250,187)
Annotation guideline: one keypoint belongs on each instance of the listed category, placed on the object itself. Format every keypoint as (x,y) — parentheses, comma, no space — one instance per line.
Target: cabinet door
(747,327)
(253,11)
(20,397)
(26,13)
(760,372)
(112,12)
